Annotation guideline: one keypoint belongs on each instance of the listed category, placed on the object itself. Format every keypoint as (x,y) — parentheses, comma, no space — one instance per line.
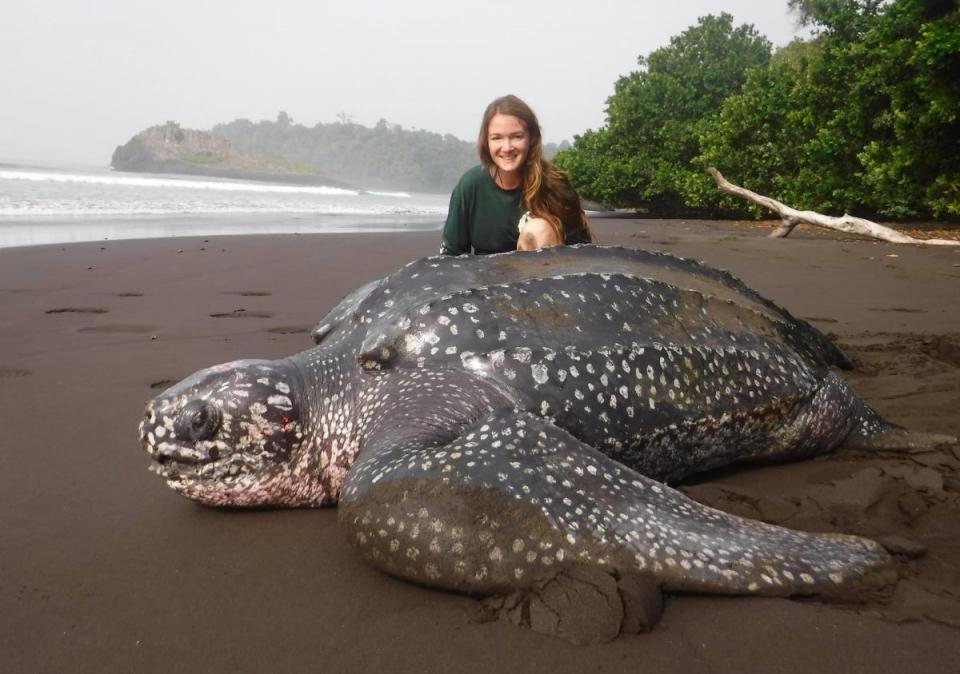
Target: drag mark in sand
(248,293)
(78,310)
(242,313)
(13,373)
(163,383)
(893,347)
(289,329)
(946,348)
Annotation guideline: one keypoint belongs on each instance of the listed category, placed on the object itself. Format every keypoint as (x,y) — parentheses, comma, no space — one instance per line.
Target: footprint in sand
(78,310)
(248,293)
(289,329)
(13,373)
(242,313)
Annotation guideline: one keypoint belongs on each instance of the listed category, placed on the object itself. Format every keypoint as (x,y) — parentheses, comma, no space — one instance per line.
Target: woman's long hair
(546,189)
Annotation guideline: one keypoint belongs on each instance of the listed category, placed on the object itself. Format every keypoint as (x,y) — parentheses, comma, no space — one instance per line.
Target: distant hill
(169,148)
(385,156)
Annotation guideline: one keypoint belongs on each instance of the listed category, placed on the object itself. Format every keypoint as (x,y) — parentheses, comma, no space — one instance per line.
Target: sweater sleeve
(456,231)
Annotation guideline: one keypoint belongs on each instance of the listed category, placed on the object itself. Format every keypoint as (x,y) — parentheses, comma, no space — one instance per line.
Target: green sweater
(483,218)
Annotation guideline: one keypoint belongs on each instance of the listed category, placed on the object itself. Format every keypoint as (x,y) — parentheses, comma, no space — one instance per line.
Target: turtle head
(233,435)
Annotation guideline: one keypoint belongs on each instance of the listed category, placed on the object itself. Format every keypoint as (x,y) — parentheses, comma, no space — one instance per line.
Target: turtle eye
(199,420)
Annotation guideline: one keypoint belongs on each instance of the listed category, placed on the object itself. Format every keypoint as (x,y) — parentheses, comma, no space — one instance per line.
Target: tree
(912,166)
(767,134)
(835,15)
(642,156)
(864,118)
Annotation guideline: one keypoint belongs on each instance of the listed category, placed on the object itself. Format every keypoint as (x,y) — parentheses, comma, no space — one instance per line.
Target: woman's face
(508,141)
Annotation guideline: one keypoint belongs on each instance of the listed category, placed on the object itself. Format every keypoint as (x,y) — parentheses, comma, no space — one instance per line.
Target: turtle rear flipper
(874,433)
(514,500)
(896,439)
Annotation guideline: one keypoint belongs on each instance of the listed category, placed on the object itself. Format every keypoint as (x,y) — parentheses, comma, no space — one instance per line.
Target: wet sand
(106,569)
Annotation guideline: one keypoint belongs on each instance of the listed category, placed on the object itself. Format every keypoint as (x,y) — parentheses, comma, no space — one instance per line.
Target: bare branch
(846,223)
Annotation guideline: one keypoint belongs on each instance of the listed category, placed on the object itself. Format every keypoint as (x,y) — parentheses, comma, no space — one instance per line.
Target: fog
(81,78)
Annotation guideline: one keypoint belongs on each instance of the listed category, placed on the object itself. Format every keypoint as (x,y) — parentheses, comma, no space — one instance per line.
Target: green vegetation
(203,158)
(643,156)
(169,148)
(864,117)
(385,156)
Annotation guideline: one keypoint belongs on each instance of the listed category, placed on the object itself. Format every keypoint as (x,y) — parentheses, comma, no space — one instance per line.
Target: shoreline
(127,227)
(109,570)
(53,230)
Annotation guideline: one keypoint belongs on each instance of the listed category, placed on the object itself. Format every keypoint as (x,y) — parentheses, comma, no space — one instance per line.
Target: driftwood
(791,217)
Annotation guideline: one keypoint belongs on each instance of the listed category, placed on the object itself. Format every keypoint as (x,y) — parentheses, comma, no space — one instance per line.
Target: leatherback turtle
(486,422)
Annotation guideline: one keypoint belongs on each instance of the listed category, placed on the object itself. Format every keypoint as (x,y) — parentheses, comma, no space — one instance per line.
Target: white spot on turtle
(539,372)
(280,402)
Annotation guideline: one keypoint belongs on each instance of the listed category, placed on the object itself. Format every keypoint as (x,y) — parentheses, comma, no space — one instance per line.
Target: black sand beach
(106,569)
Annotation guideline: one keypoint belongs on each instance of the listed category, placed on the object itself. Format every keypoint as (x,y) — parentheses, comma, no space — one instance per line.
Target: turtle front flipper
(343,318)
(514,500)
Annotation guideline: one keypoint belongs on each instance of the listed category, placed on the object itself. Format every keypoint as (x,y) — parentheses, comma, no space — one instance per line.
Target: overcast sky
(79,78)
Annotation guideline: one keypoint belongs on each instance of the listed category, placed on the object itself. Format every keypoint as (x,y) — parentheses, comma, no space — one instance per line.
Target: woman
(515,199)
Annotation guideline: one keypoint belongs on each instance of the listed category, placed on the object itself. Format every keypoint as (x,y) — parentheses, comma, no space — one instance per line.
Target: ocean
(44,204)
